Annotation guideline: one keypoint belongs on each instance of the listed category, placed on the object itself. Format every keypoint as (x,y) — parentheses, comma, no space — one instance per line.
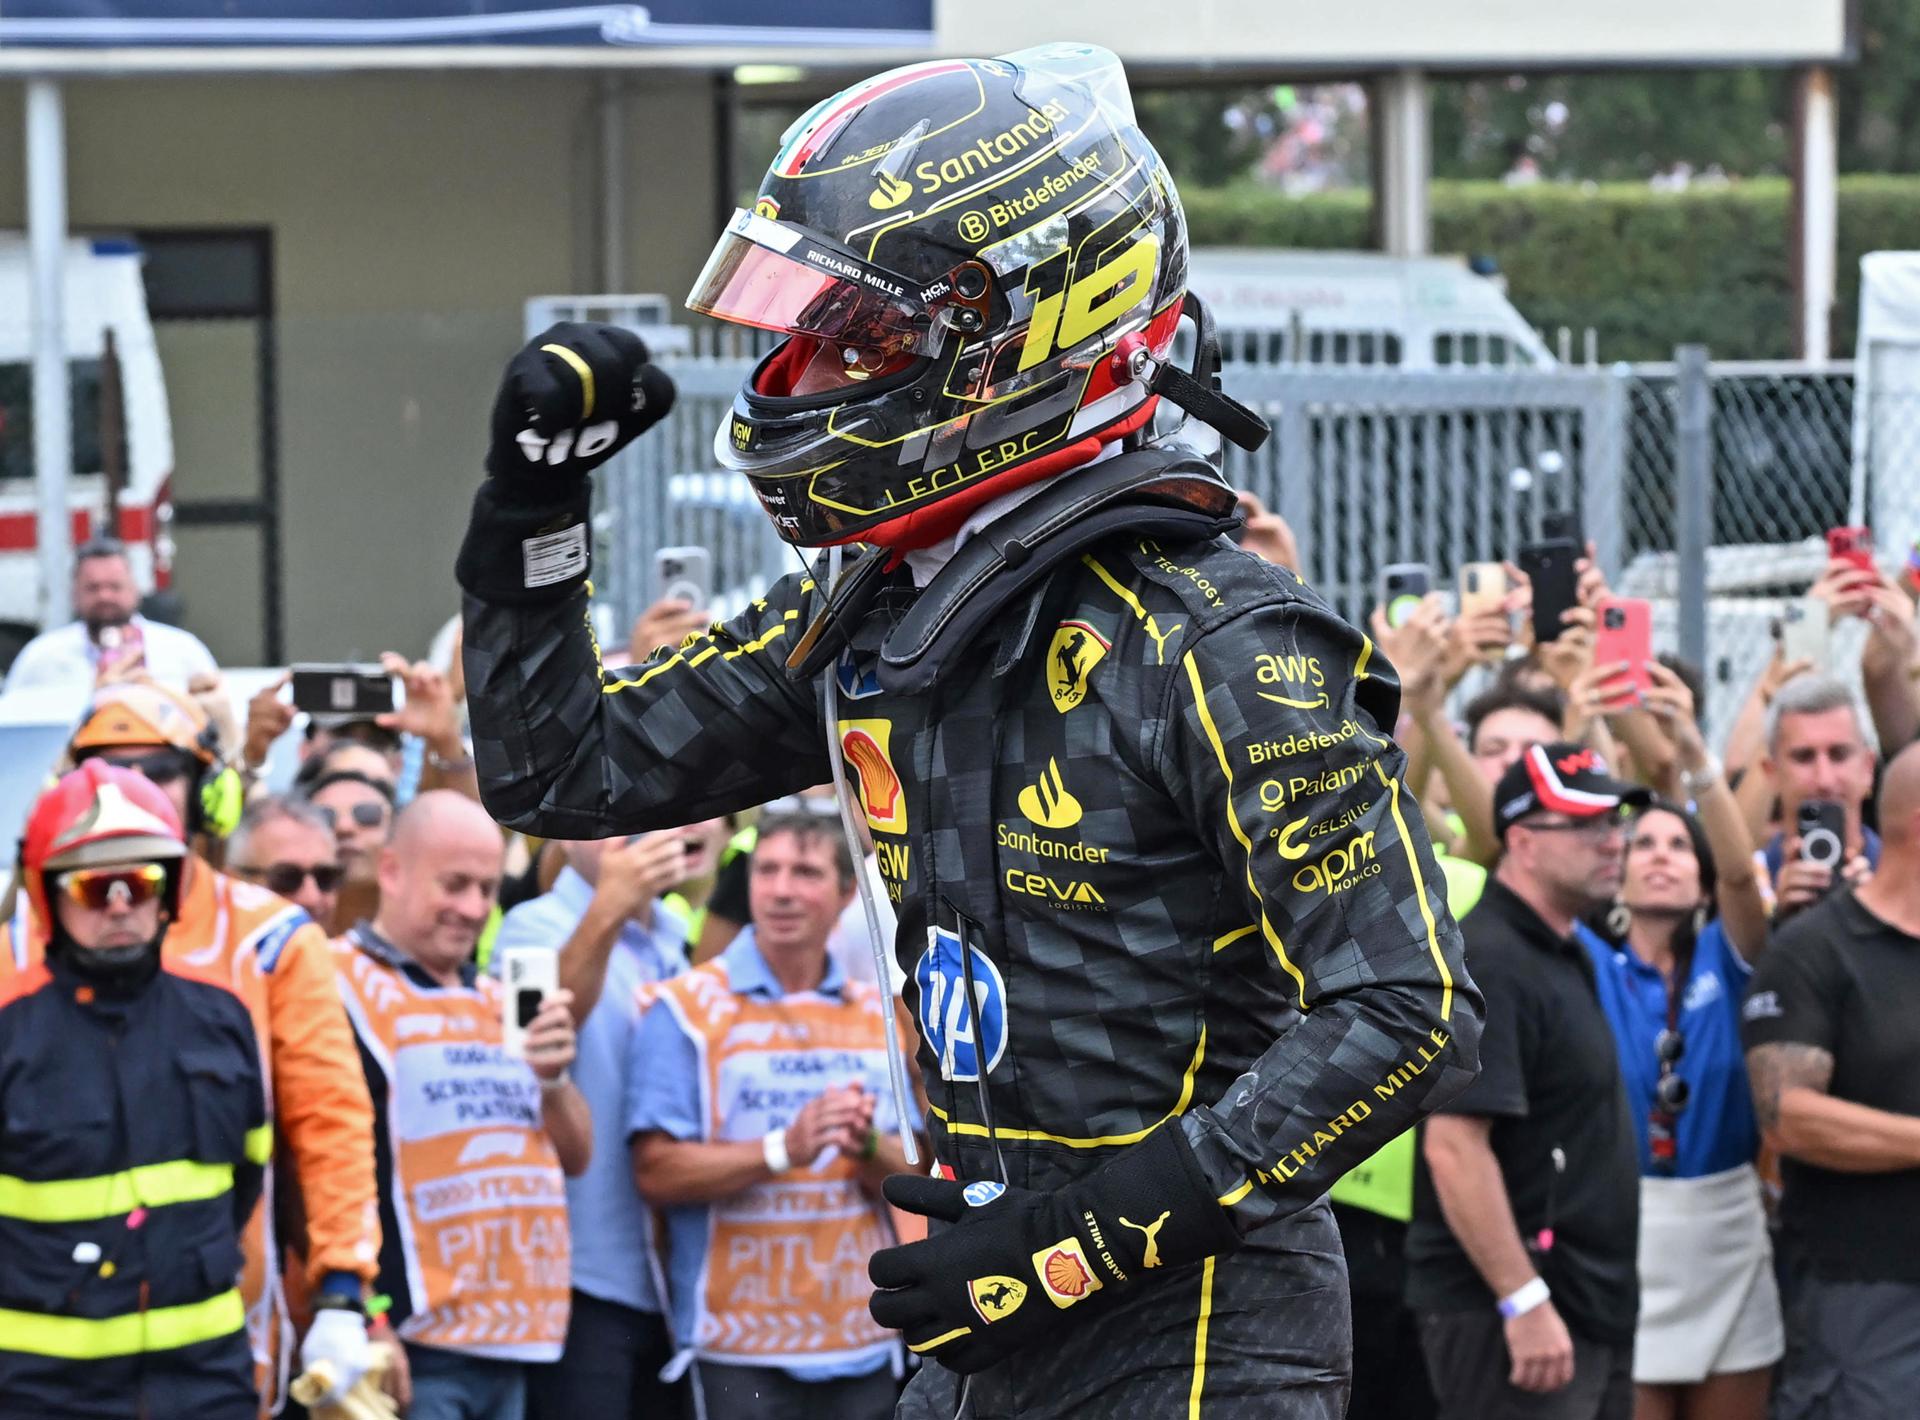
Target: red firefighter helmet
(98,815)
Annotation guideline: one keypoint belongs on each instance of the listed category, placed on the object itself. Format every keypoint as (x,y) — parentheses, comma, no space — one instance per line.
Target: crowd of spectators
(1683,1184)
(1683,1187)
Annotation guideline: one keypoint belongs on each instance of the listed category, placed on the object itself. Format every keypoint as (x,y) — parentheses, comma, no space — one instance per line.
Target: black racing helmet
(965,256)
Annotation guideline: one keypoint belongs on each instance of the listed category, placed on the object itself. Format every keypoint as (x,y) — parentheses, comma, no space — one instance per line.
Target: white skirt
(1708,1303)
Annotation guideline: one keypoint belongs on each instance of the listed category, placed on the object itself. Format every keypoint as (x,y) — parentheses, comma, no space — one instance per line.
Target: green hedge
(1648,270)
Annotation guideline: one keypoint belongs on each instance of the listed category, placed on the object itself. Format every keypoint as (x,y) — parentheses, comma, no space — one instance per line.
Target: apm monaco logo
(882,796)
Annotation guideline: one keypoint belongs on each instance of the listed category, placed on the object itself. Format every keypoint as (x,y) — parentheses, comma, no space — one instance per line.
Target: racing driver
(1171,927)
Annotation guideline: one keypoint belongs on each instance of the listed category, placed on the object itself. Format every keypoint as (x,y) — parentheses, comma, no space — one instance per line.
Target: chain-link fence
(1373,466)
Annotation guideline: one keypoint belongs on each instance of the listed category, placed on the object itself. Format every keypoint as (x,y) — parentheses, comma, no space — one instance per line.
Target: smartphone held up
(531,974)
(356,692)
(1623,635)
(683,574)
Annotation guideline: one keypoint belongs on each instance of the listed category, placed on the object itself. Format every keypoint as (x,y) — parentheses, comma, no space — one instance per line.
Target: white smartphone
(530,974)
(683,574)
(1803,631)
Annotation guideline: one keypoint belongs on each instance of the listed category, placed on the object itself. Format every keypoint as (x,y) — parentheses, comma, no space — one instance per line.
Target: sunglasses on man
(366,815)
(286,878)
(97,889)
(161,767)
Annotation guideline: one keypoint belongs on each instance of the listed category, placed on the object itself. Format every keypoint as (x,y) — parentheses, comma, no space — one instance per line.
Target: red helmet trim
(925,526)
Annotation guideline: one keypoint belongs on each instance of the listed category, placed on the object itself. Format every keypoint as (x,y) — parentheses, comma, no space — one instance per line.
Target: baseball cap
(1560,778)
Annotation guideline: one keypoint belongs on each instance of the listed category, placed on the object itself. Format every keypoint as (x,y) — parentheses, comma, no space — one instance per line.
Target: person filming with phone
(1821,767)
(472,1184)
(108,639)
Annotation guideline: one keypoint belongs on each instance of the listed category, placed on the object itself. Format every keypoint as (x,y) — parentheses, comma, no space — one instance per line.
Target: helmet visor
(765,274)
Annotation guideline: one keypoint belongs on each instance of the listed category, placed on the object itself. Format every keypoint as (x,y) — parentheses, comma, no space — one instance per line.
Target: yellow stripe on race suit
(1140,612)
(72,1338)
(1239,833)
(583,370)
(1103,1141)
(1200,1340)
(955,1334)
(1227,939)
(1420,893)
(83,1200)
(259,1143)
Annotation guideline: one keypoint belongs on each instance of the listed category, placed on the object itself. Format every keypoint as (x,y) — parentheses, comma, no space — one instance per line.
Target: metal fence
(1707,488)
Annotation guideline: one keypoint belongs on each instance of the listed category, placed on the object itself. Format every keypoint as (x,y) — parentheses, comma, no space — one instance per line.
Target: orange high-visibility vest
(476,1186)
(785,1276)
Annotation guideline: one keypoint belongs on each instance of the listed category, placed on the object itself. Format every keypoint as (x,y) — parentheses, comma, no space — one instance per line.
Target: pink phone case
(1625,633)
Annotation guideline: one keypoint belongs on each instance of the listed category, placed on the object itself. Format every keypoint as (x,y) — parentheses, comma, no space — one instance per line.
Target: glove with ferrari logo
(1015,1263)
(572,398)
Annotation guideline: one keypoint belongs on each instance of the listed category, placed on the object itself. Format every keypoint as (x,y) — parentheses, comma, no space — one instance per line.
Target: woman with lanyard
(1671,960)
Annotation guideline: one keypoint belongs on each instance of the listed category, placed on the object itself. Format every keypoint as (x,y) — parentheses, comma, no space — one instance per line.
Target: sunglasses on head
(161,767)
(285,878)
(366,815)
(100,888)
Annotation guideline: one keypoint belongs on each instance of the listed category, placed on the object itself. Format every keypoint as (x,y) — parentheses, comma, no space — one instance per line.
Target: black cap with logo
(1560,778)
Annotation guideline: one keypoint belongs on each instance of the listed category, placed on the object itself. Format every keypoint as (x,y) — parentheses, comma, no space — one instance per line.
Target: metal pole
(1693,392)
(1406,165)
(52,404)
(613,185)
(1815,217)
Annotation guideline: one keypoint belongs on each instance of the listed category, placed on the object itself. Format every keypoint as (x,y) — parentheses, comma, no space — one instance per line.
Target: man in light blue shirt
(614,935)
(758,1102)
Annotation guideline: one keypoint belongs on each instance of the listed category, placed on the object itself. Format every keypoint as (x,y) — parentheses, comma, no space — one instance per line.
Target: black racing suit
(1155,802)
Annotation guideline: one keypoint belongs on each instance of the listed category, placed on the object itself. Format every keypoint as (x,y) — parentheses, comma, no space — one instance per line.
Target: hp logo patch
(959,1035)
(979,1195)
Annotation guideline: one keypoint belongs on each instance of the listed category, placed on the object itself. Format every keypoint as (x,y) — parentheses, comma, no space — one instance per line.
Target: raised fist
(574,396)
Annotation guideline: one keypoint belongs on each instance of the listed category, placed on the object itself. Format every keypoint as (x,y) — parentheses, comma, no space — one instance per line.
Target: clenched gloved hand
(572,398)
(1015,1263)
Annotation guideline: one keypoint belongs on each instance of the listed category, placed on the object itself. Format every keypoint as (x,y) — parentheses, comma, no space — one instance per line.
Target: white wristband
(774,1147)
(1525,1298)
(557,1083)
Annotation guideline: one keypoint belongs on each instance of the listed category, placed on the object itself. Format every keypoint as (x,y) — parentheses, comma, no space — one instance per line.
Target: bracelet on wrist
(558,1082)
(773,1148)
(450,763)
(1698,781)
(340,1302)
(1524,1298)
(870,1146)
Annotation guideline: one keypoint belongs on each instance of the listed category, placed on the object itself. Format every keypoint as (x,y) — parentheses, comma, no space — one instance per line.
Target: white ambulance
(127,440)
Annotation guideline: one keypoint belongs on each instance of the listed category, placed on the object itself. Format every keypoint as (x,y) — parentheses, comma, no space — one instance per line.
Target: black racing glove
(1008,1272)
(572,398)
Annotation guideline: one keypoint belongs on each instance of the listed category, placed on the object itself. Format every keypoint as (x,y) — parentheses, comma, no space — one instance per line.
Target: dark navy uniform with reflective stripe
(133,1136)
(1150,824)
